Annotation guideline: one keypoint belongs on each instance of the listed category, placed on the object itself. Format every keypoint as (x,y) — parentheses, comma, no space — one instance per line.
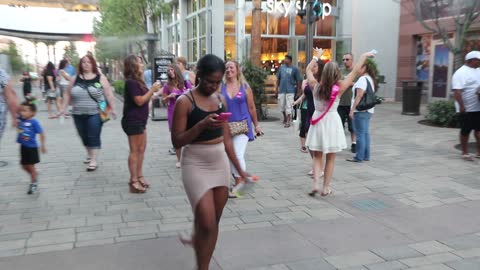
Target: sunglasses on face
(346,59)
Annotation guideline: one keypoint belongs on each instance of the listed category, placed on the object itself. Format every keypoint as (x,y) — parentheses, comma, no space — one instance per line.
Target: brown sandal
(144,183)
(136,187)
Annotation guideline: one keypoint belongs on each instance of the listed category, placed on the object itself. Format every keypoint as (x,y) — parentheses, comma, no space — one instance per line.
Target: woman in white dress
(326,134)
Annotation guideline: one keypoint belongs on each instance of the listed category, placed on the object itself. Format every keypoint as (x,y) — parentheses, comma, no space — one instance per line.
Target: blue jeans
(361,125)
(89,128)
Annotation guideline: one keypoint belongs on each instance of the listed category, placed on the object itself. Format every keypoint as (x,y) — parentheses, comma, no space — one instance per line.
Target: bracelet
(315,58)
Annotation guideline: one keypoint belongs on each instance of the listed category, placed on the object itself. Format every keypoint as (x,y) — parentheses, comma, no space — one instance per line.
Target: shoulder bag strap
(335,90)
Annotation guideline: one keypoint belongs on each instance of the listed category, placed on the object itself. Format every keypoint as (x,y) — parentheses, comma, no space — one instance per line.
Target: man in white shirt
(466,87)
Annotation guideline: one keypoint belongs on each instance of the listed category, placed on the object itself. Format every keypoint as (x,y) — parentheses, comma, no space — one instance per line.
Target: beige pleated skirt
(204,167)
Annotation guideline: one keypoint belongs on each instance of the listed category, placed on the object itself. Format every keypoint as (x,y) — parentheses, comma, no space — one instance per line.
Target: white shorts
(286,102)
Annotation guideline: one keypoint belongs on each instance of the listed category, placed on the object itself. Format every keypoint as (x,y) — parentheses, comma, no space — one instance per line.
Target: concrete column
(256,48)
(240,29)
(371,33)
(183,27)
(216,37)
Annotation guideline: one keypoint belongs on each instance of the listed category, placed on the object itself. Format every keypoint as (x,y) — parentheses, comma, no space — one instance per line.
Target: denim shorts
(89,128)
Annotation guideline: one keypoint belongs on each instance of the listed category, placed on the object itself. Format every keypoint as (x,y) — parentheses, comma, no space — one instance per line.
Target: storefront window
(278,25)
(230,48)
(202,3)
(229,2)
(202,19)
(300,28)
(249,21)
(192,6)
(326,27)
(229,22)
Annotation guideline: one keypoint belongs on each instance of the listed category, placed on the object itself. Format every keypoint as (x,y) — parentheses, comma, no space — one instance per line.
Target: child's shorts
(29,155)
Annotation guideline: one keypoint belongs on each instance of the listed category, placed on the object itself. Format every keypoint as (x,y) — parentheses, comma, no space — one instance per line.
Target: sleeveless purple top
(238,106)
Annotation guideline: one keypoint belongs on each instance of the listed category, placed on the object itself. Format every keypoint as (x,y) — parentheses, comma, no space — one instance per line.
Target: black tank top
(197,115)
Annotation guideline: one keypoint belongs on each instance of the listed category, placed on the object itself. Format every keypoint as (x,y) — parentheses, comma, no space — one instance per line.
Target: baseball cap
(472,55)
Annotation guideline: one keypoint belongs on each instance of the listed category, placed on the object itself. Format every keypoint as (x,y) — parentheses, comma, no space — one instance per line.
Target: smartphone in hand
(224,116)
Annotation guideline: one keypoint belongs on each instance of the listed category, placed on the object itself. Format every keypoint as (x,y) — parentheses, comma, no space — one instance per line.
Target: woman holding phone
(207,147)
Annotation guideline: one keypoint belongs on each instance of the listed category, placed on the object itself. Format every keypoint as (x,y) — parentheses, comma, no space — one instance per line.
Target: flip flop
(326,194)
(467,157)
(92,168)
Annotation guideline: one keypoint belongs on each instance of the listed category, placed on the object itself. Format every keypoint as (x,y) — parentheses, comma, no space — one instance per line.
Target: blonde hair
(178,81)
(182,60)
(240,77)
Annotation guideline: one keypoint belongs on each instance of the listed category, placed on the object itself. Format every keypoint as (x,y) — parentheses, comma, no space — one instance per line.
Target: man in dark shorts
(466,86)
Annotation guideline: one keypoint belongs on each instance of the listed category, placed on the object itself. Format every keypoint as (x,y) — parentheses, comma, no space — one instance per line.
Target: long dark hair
(318,75)
(178,81)
(330,76)
(372,70)
(63,64)
(132,71)
(207,65)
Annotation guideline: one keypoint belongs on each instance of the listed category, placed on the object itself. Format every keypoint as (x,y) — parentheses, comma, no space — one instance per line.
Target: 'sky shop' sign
(285,7)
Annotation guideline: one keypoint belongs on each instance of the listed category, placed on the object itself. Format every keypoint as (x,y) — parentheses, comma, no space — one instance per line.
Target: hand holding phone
(224,116)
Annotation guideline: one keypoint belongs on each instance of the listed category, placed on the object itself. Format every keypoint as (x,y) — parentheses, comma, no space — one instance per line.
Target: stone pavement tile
(94,242)
(254,225)
(353,259)
(139,230)
(391,265)
(11,252)
(175,226)
(26,227)
(271,267)
(135,237)
(442,222)
(430,259)
(258,218)
(51,237)
(97,220)
(88,229)
(165,253)
(463,241)
(469,264)
(67,222)
(12,244)
(432,267)
(292,215)
(312,264)
(396,253)
(14,236)
(86,236)
(361,233)
(49,248)
(275,245)
(467,253)
(430,247)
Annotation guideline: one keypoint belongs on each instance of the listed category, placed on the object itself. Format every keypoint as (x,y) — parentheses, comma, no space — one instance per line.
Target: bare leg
(353,137)
(49,108)
(58,104)
(329,165)
(93,153)
(464,143)
(317,168)
(178,152)
(135,142)
(142,144)
(207,217)
(30,169)
(302,142)
(477,137)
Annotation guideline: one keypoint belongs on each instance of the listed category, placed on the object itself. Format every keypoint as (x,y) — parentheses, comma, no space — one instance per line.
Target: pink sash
(335,90)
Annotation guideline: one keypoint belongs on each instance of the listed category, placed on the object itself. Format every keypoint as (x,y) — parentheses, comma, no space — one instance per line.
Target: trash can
(412,95)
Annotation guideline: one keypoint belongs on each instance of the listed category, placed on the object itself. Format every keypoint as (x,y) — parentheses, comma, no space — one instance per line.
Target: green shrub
(256,77)
(119,86)
(442,113)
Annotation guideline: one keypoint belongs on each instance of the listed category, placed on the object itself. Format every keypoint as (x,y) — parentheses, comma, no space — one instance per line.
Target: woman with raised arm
(326,135)
(200,127)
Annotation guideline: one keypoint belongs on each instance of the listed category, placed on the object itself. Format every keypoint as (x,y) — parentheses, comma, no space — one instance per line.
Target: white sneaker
(178,165)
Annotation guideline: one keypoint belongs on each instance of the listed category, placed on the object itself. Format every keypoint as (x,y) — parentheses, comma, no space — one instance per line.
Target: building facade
(422,56)
(197,27)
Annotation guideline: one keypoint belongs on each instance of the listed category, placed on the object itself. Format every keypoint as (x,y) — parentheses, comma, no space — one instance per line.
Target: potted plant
(256,77)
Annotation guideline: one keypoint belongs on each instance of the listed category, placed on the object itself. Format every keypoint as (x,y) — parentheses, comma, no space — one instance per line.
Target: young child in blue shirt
(28,128)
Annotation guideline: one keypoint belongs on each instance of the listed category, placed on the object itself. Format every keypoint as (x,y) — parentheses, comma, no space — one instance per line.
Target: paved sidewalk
(415,205)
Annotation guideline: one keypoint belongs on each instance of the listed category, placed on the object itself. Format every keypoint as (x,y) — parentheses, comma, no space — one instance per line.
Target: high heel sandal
(312,194)
(136,187)
(144,183)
